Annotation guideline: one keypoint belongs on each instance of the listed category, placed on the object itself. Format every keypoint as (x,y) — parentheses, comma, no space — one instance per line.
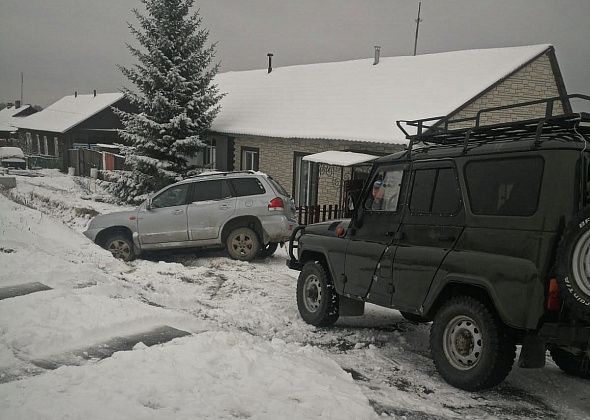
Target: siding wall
(534,81)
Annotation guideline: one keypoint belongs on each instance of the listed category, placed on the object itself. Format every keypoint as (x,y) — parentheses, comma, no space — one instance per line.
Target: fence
(85,159)
(315,214)
(46,162)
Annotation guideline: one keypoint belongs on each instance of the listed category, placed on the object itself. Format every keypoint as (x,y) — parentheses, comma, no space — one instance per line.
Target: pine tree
(175,98)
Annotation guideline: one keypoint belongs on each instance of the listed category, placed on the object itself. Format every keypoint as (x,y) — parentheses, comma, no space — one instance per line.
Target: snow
(68,112)
(249,355)
(11,152)
(356,100)
(335,157)
(9,117)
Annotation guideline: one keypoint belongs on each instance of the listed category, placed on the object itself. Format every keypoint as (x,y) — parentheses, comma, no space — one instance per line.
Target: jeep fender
(512,286)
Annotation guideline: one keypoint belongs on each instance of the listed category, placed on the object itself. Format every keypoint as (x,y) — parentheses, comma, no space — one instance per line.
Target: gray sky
(67,45)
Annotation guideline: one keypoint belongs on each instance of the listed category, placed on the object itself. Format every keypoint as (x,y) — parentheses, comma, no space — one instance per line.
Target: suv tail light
(553,303)
(276,204)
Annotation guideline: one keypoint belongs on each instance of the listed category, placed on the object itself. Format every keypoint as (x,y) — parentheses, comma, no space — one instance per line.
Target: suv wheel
(317,299)
(572,364)
(469,346)
(573,265)
(268,250)
(121,247)
(242,244)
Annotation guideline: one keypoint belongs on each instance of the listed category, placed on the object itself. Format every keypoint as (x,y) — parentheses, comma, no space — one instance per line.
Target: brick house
(269,120)
(74,121)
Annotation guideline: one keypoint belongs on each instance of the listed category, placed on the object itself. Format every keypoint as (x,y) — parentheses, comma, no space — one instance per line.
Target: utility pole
(417,27)
(21,87)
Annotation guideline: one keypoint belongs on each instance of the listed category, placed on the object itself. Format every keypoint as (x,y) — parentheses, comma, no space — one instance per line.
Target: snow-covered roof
(356,100)
(8,117)
(338,158)
(68,112)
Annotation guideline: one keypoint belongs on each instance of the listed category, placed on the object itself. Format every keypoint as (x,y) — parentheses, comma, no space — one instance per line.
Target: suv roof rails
(436,130)
(224,173)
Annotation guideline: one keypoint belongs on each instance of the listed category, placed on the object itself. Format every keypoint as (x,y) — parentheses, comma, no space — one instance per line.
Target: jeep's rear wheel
(573,265)
(242,244)
(470,348)
(573,364)
(317,299)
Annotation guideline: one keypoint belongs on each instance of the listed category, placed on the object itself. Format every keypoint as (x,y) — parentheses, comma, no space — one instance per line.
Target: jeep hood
(326,228)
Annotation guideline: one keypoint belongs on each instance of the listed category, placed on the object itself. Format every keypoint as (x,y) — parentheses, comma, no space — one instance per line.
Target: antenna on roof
(270,61)
(417,27)
(22,80)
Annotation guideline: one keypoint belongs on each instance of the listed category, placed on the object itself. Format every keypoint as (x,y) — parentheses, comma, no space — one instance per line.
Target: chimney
(75,94)
(377,53)
(94,93)
(269,61)
(17,104)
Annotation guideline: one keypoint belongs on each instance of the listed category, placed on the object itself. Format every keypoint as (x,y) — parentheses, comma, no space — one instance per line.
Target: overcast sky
(67,45)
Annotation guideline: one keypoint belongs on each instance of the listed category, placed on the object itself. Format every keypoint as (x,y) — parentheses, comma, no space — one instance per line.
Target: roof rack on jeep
(438,130)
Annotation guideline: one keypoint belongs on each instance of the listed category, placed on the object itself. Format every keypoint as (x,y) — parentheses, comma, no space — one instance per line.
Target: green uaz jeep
(484,231)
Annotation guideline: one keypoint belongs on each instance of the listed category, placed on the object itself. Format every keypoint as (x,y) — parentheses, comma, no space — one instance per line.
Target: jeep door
(211,204)
(373,229)
(165,220)
(432,223)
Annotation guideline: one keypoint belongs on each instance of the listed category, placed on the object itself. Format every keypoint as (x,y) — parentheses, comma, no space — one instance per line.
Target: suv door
(432,223)
(210,205)
(165,220)
(369,240)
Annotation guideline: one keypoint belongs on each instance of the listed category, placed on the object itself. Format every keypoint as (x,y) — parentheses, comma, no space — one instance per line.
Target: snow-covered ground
(249,353)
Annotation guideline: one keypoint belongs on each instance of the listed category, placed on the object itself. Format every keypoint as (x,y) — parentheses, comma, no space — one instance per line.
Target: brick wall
(534,81)
(277,159)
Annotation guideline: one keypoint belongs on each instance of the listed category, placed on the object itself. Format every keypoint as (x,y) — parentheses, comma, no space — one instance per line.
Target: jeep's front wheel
(573,364)
(470,348)
(317,299)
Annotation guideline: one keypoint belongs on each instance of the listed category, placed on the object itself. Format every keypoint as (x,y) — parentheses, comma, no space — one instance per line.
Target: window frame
(437,168)
(503,159)
(256,154)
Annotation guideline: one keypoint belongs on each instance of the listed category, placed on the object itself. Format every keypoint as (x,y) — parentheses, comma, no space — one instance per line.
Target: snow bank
(214,375)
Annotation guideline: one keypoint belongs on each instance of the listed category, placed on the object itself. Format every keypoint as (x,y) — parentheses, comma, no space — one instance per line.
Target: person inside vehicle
(377,193)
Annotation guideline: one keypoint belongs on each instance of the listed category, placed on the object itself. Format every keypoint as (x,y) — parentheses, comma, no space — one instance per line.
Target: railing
(314,214)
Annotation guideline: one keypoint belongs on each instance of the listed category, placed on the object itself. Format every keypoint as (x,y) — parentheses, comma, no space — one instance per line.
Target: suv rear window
(247,186)
(278,187)
(508,187)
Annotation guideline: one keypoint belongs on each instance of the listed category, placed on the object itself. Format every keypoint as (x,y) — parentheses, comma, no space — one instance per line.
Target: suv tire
(470,347)
(268,250)
(121,247)
(573,269)
(242,244)
(317,299)
(572,364)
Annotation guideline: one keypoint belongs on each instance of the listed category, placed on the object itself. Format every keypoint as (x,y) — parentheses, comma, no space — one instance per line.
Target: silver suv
(248,213)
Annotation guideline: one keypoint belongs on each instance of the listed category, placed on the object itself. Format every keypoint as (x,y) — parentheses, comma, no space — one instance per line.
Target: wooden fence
(85,159)
(314,214)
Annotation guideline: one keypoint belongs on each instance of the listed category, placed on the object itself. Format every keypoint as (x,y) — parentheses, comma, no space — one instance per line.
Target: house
(9,117)
(271,120)
(73,122)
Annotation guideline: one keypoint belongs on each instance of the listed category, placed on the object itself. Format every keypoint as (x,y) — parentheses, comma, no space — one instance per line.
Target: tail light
(276,204)
(553,302)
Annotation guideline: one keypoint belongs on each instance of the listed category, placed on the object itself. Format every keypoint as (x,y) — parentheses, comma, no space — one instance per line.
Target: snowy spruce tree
(174,96)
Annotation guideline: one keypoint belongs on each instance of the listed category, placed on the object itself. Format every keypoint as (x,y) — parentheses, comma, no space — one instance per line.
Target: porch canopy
(338,158)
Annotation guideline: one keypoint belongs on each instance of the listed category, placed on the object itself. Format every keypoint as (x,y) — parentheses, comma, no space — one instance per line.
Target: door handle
(224,207)
(178,212)
(396,235)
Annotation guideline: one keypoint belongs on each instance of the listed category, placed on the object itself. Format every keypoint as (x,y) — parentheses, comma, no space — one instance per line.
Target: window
(46,145)
(210,190)
(305,180)
(173,196)
(56,146)
(247,186)
(385,190)
(435,191)
(507,187)
(210,155)
(29,143)
(278,187)
(38,144)
(250,158)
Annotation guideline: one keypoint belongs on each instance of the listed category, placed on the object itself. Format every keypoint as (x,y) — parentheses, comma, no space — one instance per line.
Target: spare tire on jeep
(573,265)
